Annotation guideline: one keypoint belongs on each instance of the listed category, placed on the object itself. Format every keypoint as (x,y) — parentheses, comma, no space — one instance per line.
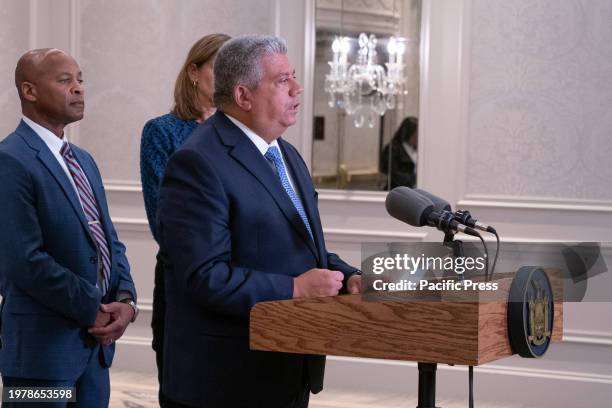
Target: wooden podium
(450,332)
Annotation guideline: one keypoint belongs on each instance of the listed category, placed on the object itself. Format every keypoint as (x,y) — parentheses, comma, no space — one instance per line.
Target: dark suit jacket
(231,237)
(49,262)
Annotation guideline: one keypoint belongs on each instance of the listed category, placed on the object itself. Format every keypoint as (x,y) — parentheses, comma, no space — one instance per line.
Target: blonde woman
(161,136)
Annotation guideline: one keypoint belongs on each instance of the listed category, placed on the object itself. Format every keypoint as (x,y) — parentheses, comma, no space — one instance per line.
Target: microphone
(418,210)
(462,216)
(439,203)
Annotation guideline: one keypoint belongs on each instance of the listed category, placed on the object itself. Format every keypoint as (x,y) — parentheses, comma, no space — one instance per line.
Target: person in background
(67,293)
(402,157)
(161,136)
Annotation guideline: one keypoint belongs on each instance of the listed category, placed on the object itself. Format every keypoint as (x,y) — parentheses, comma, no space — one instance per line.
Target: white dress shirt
(54,144)
(262,145)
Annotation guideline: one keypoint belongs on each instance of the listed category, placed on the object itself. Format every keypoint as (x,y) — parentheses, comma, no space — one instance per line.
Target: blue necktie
(273,156)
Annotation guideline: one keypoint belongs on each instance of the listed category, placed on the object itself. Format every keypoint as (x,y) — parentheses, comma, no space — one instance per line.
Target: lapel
(50,162)
(247,154)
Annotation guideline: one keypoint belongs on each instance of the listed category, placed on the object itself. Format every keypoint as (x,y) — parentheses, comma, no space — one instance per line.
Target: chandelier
(365,89)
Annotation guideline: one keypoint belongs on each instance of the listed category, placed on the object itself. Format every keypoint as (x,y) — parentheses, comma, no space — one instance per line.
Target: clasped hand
(111,322)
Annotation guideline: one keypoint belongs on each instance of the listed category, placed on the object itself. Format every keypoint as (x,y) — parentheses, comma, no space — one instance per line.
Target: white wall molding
(594,206)
(356,196)
(308,58)
(352,196)
(463,131)
(145,304)
(131,224)
(136,340)
(477,201)
(586,337)
(357,206)
(496,369)
(445,46)
(348,235)
(575,376)
(294,21)
(358,236)
(122,185)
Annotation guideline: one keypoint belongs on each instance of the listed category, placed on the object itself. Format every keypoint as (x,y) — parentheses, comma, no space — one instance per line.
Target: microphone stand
(427,371)
(456,245)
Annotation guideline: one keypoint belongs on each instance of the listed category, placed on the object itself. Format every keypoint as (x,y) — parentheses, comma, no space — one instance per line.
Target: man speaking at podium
(239,224)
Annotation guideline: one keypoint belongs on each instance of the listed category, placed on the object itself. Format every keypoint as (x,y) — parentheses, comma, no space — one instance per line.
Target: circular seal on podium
(530,312)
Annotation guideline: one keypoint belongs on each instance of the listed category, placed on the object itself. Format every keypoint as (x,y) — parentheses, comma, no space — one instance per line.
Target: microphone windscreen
(408,206)
(439,204)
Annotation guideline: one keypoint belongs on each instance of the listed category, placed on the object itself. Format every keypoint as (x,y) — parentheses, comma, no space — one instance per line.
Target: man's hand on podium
(353,286)
(317,283)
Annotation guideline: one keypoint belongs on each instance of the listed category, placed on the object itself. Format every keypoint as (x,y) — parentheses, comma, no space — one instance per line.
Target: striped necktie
(273,156)
(90,207)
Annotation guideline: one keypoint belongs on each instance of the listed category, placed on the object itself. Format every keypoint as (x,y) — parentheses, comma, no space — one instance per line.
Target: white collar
(257,140)
(53,142)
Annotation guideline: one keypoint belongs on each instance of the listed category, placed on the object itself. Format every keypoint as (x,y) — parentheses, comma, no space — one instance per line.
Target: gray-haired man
(238,224)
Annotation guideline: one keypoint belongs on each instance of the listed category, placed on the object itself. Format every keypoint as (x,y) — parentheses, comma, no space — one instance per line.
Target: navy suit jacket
(230,237)
(49,263)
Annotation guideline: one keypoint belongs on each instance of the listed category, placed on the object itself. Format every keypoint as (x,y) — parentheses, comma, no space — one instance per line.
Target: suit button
(93,259)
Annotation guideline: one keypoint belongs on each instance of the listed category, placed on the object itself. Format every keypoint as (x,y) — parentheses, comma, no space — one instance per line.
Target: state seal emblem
(530,312)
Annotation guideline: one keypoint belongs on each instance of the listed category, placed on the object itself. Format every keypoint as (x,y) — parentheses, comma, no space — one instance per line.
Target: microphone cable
(496,254)
(487,278)
(484,245)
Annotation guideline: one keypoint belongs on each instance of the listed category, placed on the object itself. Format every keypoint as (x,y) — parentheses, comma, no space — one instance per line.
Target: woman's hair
(186,103)
(407,128)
